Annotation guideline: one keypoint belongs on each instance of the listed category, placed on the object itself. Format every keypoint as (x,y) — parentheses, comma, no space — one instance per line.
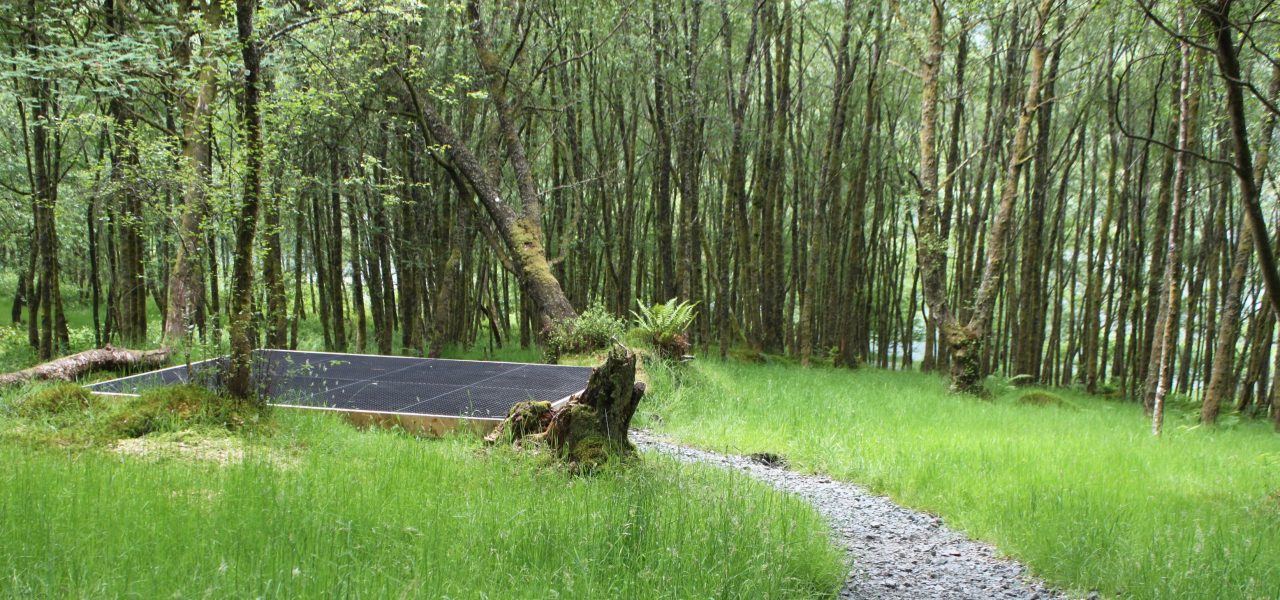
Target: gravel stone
(897,553)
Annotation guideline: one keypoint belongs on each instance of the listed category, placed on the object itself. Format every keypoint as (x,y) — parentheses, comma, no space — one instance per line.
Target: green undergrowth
(1074,485)
(380,514)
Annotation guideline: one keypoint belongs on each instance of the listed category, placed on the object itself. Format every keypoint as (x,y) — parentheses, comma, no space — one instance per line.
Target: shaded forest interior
(1055,191)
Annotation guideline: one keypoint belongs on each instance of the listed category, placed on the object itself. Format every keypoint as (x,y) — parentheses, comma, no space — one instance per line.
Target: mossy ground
(66,415)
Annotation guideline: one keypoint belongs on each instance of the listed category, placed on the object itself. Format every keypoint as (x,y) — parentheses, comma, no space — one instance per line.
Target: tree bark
(521,231)
(931,248)
(665,225)
(68,368)
(965,340)
(130,283)
(1222,374)
(1219,16)
(243,337)
(276,317)
(591,429)
(47,329)
(331,236)
(689,162)
(357,281)
(186,281)
(1166,325)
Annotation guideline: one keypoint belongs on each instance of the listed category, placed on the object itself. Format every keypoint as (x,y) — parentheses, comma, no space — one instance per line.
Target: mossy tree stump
(591,428)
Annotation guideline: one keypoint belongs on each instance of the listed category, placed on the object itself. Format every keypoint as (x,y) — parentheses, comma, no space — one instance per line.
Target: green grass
(1081,492)
(382,515)
(1071,484)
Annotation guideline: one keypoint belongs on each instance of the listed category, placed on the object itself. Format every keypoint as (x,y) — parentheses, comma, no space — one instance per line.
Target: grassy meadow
(1077,489)
(313,508)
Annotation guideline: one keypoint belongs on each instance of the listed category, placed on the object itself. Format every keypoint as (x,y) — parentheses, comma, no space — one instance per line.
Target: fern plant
(664,325)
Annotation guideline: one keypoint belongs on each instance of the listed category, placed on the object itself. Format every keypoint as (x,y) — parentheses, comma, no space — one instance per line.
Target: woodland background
(1059,191)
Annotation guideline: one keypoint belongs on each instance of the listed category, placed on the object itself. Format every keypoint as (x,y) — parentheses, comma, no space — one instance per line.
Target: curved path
(897,552)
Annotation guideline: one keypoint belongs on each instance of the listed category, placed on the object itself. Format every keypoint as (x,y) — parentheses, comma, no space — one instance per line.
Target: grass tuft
(176,408)
(66,415)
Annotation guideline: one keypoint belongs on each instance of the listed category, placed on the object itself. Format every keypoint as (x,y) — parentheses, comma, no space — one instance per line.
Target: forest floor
(897,553)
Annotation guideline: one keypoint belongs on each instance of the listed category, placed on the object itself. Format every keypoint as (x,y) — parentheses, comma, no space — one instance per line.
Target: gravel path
(897,552)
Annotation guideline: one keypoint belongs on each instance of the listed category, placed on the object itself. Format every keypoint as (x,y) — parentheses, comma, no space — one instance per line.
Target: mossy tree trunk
(186,279)
(520,227)
(243,334)
(965,338)
(69,368)
(965,347)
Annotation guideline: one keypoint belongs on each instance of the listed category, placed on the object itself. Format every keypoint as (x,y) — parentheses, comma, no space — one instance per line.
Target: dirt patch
(1043,398)
(769,459)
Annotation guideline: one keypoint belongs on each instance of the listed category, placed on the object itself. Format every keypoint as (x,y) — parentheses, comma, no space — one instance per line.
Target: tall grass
(383,515)
(1081,491)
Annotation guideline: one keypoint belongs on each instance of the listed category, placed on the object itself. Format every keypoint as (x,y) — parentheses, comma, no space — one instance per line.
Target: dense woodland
(1059,191)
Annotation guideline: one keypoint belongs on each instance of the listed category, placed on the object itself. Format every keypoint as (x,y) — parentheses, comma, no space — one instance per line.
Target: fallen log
(69,368)
(591,428)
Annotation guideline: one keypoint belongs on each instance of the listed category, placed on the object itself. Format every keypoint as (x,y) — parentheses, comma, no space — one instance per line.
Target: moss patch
(175,408)
(523,418)
(66,415)
(51,401)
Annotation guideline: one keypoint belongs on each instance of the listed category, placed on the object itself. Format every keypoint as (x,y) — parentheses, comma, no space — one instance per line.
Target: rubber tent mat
(382,384)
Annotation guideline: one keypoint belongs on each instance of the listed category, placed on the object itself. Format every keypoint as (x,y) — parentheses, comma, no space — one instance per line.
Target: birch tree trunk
(1166,325)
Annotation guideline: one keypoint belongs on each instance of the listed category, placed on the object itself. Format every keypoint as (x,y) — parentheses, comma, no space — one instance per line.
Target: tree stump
(591,428)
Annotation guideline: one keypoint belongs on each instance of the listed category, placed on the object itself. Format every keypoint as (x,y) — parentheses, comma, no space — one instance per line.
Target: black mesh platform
(420,386)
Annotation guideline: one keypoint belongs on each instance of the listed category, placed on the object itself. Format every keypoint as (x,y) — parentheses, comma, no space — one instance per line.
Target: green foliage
(379,514)
(664,326)
(1084,496)
(594,329)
